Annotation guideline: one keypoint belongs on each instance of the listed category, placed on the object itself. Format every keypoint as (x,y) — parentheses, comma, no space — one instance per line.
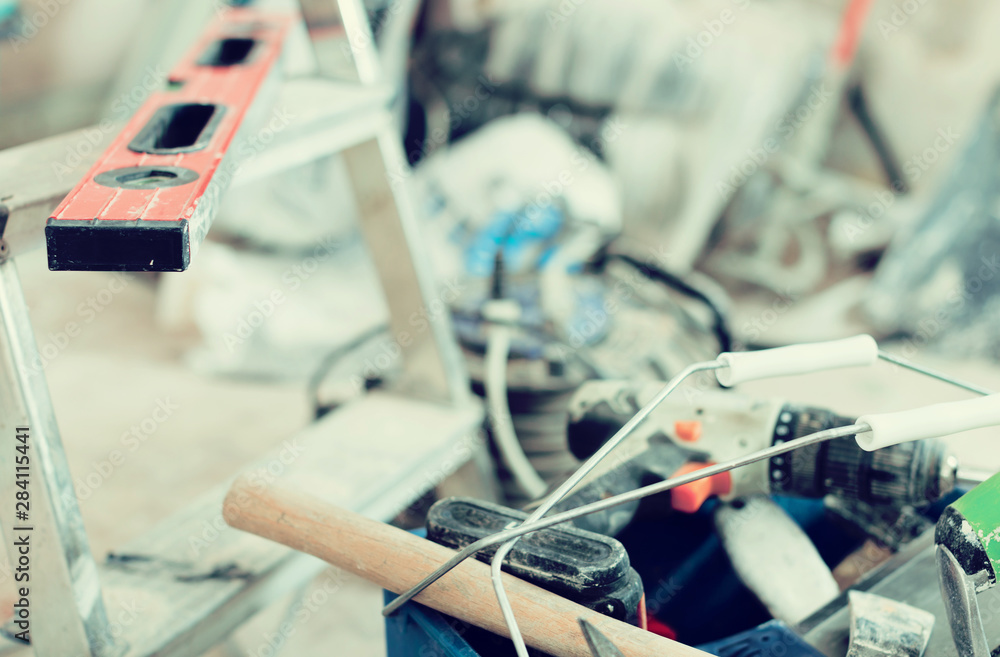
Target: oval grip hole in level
(180,128)
(146,177)
(228,52)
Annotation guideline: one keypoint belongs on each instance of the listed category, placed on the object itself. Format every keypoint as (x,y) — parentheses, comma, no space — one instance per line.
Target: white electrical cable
(555,282)
(495,382)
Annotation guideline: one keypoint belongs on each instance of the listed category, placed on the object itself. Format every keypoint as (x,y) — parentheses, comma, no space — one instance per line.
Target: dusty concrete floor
(113,374)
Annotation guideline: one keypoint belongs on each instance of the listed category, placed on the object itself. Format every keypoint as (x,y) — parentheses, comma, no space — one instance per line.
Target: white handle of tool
(928,422)
(796,359)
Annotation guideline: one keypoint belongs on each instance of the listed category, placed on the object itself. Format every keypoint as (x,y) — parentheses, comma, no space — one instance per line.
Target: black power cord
(720,324)
(332,358)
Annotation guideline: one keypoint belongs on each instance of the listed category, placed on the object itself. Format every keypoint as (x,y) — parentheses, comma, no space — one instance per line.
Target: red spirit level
(149,201)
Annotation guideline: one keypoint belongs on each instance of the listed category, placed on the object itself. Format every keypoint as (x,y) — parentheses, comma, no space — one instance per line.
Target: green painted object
(970,528)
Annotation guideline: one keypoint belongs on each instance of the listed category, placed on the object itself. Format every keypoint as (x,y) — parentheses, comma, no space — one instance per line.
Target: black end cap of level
(117,245)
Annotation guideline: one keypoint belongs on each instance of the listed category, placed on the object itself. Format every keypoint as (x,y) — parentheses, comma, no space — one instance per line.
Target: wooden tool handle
(396,560)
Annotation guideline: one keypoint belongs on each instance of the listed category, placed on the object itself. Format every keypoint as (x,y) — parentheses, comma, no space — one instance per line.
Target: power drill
(701,427)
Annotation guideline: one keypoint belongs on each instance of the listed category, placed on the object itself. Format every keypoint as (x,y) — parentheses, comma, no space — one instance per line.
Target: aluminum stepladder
(374,455)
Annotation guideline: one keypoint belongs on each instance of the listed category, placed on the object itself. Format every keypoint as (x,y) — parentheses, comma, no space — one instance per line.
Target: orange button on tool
(689,497)
(688,430)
